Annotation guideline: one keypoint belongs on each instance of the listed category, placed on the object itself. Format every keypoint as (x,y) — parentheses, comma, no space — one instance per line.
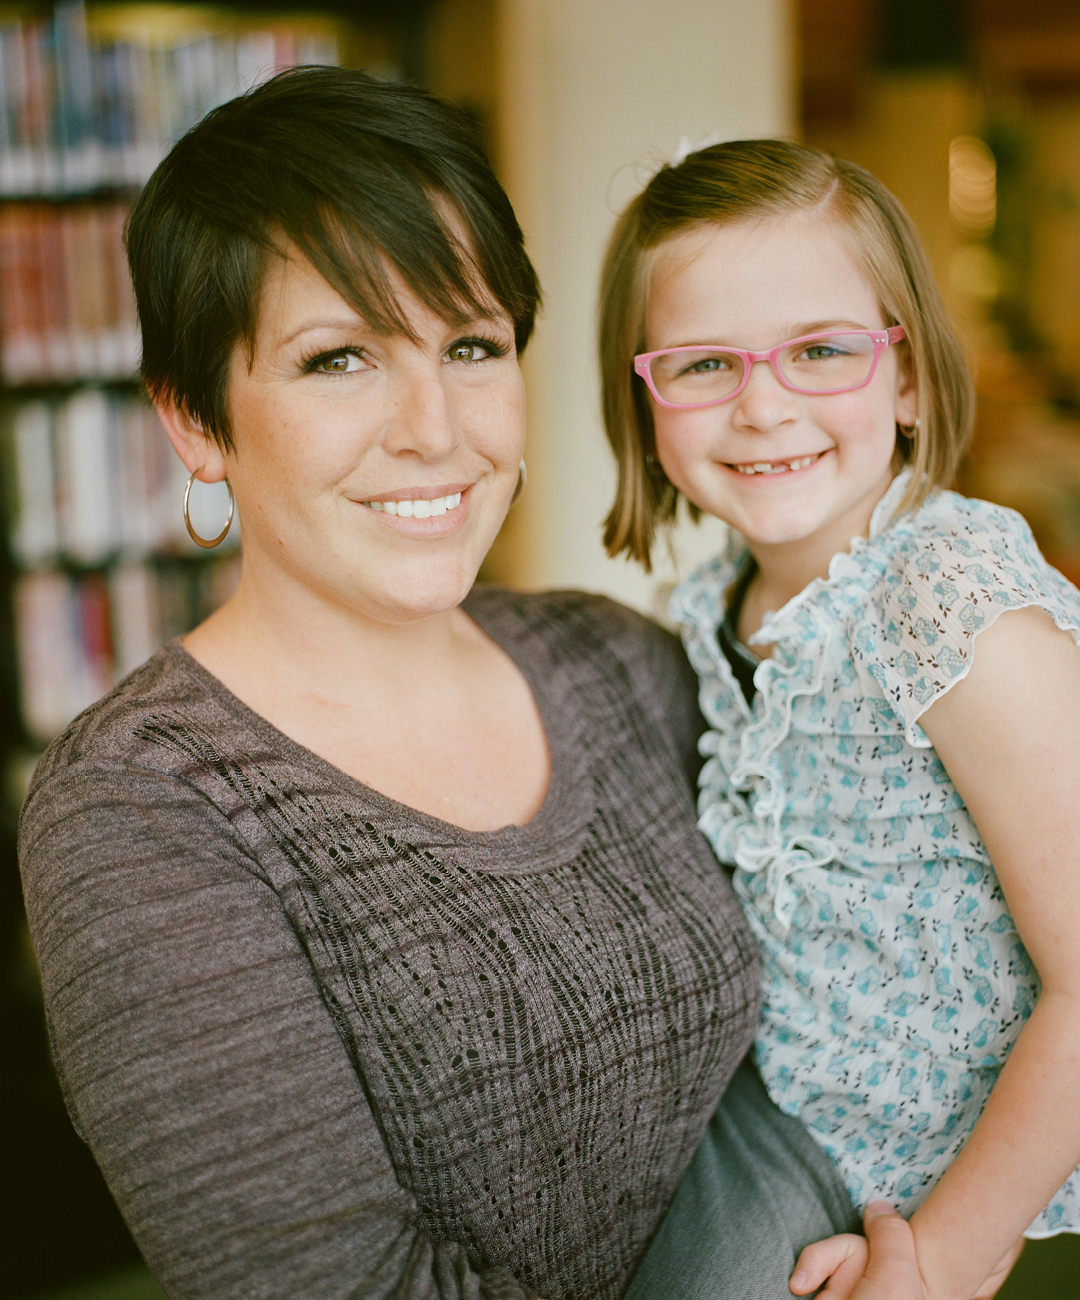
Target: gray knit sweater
(323,1045)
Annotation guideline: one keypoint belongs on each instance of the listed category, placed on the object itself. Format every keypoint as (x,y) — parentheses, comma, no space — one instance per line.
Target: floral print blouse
(895,981)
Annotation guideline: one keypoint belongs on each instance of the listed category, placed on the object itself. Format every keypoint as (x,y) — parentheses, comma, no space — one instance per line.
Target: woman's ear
(195,447)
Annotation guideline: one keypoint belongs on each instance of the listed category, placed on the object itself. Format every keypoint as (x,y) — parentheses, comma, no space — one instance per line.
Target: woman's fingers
(892,1272)
(840,1259)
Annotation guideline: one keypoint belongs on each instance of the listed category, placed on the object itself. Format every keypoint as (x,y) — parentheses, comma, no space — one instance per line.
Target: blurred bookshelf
(96,567)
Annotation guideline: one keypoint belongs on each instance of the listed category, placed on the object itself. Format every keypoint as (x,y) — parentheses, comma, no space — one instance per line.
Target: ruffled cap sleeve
(955,569)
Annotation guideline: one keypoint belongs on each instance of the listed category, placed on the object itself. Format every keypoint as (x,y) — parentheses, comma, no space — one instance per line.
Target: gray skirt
(758,1190)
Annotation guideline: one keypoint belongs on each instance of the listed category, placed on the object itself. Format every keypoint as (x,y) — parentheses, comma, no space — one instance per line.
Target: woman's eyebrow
(330,323)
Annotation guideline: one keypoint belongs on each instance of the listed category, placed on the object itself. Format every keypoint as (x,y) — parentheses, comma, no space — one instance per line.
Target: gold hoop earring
(202,541)
(523,478)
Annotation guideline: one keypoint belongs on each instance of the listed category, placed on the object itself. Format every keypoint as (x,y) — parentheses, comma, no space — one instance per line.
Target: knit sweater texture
(324,1045)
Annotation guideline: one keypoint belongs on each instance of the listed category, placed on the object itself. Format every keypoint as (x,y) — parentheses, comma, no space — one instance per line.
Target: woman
(380,951)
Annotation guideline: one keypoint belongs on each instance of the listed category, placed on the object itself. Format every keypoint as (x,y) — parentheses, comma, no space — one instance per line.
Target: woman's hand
(880,1266)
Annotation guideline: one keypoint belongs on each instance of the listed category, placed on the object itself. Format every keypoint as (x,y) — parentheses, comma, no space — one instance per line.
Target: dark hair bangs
(362,178)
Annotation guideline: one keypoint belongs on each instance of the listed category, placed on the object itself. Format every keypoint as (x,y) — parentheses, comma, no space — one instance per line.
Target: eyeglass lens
(827,363)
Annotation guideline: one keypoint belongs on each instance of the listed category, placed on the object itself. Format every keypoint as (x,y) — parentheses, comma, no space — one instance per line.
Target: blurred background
(969,111)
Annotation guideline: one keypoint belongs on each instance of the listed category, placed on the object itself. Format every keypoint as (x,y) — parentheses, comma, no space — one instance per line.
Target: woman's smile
(423,512)
(421,434)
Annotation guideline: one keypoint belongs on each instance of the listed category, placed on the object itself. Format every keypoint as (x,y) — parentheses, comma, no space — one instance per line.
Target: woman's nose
(423,419)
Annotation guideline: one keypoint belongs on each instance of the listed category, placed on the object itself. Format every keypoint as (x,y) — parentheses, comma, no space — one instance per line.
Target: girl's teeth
(418,509)
(777,467)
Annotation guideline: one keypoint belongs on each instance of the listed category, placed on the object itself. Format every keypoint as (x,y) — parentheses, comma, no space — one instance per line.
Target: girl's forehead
(788,269)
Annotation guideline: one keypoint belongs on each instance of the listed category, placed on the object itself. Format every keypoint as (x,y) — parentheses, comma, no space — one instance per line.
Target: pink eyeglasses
(837,362)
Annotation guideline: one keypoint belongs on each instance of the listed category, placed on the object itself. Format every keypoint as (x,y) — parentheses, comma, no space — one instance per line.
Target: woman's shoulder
(169,691)
(572,624)
(601,646)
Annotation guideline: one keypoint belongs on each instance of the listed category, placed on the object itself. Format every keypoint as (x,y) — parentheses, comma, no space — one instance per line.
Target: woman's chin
(417,592)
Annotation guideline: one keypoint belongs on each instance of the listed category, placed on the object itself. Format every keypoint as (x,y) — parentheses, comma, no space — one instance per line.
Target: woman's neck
(274,630)
(429,712)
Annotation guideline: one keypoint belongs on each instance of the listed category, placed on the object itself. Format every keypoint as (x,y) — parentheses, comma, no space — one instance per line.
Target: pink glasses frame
(880,338)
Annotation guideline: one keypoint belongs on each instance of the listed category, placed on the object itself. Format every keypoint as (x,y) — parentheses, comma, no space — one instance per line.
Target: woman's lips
(418,507)
(422,511)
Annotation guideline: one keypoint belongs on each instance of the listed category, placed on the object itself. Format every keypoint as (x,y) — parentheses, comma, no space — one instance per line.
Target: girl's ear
(193,445)
(907,392)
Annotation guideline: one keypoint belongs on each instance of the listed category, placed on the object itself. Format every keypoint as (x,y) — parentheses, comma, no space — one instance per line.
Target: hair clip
(685,148)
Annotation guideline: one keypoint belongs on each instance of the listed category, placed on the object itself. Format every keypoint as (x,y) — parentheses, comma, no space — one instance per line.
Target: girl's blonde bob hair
(760,179)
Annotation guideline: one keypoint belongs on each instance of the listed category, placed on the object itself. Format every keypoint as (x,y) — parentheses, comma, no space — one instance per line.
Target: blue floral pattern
(895,981)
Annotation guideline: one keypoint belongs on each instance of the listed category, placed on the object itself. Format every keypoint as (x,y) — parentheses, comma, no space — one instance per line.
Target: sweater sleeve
(200,1063)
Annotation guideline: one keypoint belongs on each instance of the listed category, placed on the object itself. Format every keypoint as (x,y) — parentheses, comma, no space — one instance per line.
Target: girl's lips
(789,465)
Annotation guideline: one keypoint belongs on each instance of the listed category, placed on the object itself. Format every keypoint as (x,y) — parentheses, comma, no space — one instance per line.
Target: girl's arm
(1009,737)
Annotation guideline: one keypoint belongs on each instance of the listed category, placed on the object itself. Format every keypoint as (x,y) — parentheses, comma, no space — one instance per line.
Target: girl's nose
(764,403)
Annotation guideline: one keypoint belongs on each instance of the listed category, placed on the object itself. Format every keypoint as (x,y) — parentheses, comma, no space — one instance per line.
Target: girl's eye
(822,352)
(707,366)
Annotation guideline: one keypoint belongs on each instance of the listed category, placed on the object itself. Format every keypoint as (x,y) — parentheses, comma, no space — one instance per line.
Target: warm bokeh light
(972,184)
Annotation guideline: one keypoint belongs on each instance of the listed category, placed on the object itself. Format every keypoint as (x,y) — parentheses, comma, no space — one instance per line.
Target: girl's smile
(788,470)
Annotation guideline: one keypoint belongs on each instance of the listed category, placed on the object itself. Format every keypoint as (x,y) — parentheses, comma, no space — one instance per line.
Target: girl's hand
(990,1287)
(841,1259)
(893,1274)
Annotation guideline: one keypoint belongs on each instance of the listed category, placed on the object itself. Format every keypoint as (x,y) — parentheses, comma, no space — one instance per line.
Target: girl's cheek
(684,435)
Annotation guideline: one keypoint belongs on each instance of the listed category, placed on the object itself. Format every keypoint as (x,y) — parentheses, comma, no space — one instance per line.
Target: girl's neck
(784,569)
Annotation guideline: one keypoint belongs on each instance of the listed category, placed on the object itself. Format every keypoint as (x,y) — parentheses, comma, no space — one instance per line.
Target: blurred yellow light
(975,270)
(972,184)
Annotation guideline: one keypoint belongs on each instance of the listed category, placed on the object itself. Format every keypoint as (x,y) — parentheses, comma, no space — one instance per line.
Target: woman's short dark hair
(360,175)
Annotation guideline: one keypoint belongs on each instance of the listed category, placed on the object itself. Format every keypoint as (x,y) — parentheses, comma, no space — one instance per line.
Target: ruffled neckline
(745,756)
(695,603)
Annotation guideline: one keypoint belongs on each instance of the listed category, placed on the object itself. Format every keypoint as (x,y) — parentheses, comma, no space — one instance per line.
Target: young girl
(901,813)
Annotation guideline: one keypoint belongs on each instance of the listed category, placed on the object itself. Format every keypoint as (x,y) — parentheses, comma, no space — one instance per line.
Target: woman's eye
(473,350)
(468,352)
(336,363)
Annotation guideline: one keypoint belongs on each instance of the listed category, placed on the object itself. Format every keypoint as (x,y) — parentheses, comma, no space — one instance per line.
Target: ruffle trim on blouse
(801,634)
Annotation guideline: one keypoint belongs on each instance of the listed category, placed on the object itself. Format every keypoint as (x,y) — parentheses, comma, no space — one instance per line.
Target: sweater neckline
(552,835)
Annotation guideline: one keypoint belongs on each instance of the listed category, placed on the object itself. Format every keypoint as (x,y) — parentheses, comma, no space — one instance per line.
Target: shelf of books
(99,565)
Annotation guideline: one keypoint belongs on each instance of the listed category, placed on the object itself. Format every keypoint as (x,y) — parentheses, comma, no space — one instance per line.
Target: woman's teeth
(418,509)
(777,466)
